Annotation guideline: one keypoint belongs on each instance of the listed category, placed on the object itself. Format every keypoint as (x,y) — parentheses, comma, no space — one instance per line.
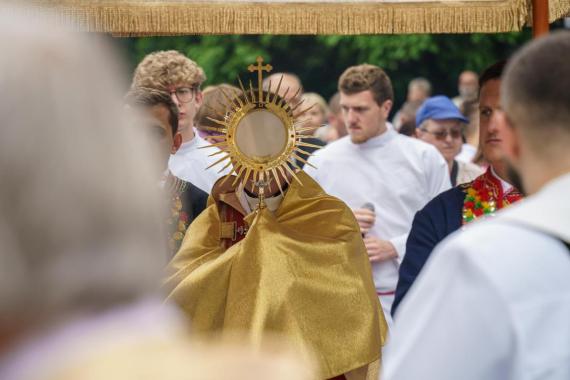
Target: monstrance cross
(260,69)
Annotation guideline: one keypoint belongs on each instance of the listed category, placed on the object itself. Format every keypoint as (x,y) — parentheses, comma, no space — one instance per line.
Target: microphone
(367,206)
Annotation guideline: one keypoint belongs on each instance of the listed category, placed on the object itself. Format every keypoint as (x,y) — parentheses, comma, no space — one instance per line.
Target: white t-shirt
(190,162)
(493,302)
(396,173)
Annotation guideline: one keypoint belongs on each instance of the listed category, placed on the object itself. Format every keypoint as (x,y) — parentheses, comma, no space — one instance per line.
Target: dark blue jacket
(439,218)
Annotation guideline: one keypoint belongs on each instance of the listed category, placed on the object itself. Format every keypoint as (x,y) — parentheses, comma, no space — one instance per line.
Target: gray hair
(423,125)
(79,211)
(421,83)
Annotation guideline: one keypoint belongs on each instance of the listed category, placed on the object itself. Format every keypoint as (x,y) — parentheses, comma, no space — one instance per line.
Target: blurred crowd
(460,150)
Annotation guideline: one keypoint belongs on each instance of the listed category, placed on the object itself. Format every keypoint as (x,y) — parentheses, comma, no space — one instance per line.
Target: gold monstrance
(261,135)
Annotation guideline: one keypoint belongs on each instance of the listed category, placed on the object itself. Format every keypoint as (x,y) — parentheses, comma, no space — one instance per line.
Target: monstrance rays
(281,167)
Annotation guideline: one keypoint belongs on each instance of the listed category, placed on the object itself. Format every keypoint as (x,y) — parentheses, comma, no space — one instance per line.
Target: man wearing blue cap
(460,205)
(441,124)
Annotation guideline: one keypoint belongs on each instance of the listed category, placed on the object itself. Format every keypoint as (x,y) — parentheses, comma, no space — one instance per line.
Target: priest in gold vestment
(293,264)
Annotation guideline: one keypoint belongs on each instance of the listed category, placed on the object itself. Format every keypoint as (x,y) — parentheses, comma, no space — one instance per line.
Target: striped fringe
(140,18)
(558,9)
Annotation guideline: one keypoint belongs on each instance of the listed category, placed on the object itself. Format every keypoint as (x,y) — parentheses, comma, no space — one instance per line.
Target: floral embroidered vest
(484,196)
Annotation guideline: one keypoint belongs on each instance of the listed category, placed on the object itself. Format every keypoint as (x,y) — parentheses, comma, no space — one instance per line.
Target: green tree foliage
(319,60)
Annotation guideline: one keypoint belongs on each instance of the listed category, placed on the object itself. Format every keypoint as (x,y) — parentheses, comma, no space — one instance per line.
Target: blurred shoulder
(495,245)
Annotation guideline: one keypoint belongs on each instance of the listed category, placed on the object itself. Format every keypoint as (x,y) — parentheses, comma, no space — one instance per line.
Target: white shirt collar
(379,140)
(546,210)
(188,146)
(504,184)
(250,203)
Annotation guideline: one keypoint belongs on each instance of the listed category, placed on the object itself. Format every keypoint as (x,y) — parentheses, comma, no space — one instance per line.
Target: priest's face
(363,117)
(489,132)
(156,121)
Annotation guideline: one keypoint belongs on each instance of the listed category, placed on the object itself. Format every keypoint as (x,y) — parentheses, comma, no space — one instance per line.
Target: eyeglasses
(184,94)
(455,133)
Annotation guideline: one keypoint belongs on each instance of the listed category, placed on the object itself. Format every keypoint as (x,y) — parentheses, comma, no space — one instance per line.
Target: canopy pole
(540,24)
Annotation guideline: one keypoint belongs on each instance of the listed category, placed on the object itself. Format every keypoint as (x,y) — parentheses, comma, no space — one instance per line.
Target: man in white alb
(383,176)
(494,301)
(173,72)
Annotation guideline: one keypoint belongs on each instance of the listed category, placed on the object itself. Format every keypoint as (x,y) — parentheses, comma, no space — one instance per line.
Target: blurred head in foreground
(535,114)
(81,245)
(79,220)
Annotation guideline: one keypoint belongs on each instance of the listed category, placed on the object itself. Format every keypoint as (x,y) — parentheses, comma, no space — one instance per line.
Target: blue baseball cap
(439,108)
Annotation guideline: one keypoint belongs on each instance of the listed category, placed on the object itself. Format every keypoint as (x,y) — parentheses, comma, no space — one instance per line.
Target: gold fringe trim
(558,9)
(140,18)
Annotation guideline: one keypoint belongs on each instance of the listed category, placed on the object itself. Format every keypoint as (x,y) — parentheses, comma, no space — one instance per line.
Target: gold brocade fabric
(302,272)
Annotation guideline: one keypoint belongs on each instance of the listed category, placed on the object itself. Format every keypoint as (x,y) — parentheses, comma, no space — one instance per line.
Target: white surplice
(493,302)
(190,162)
(395,173)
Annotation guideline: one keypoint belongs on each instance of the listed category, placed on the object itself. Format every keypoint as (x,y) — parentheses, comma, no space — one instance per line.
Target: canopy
(177,17)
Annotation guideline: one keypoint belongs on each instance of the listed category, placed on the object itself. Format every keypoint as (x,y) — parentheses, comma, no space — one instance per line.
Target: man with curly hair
(173,72)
